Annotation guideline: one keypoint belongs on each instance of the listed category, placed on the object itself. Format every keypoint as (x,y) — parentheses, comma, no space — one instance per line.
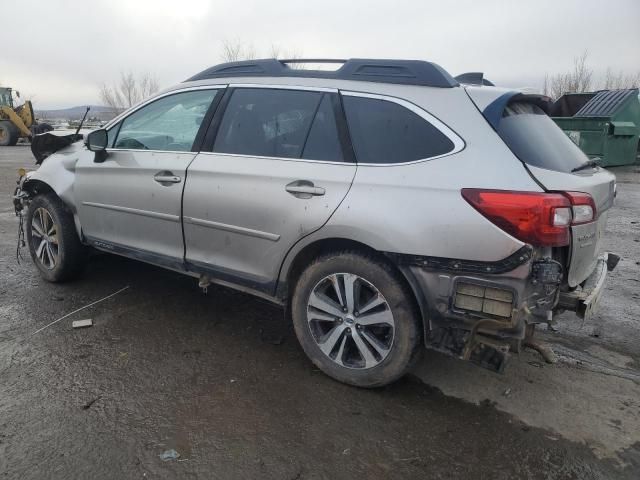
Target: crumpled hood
(45,144)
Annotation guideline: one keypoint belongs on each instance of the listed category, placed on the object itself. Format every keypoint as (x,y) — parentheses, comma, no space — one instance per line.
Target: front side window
(170,123)
(386,132)
(279,123)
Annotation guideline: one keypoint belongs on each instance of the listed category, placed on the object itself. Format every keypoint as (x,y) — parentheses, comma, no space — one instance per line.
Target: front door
(277,173)
(131,202)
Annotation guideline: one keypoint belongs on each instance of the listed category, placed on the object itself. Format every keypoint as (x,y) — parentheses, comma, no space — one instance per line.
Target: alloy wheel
(350,321)
(44,238)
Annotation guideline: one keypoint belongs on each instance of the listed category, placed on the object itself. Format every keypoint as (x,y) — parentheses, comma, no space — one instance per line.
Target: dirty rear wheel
(52,239)
(356,320)
(9,134)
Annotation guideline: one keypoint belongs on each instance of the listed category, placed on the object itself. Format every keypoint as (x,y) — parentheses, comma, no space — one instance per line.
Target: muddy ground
(220,379)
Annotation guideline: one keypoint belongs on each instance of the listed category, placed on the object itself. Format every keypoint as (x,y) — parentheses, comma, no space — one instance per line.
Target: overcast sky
(59,52)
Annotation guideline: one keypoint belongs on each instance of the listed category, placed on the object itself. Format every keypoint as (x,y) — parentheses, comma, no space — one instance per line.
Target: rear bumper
(585,301)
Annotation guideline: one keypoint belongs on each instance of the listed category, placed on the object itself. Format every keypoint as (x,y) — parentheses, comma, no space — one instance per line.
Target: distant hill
(75,113)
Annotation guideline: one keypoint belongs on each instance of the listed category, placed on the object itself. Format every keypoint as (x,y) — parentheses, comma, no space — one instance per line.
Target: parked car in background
(385,206)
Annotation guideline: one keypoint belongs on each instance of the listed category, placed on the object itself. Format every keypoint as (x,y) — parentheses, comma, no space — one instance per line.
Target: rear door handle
(304,189)
(166,178)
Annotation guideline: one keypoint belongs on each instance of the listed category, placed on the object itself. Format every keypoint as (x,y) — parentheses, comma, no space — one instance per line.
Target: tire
(9,134)
(55,248)
(361,351)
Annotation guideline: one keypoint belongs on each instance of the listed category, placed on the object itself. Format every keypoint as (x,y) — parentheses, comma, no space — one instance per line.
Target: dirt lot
(221,379)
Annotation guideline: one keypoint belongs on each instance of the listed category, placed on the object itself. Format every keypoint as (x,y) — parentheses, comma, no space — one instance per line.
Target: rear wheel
(355,319)
(9,134)
(53,242)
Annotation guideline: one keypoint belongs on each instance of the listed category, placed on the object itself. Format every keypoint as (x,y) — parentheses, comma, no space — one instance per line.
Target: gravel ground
(220,379)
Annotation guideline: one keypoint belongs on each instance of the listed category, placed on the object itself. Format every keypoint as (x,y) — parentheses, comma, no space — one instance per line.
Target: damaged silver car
(387,207)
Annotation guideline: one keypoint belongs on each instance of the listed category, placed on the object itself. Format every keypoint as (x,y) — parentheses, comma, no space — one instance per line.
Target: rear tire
(9,134)
(356,320)
(52,238)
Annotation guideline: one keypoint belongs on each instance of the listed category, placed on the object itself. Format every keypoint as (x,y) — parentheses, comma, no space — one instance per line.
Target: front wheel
(356,320)
(53,242)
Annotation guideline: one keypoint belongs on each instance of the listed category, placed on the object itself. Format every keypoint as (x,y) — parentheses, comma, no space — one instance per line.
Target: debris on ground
(169,455)
(79,309)
(506,393)
(87,405)
(82,323)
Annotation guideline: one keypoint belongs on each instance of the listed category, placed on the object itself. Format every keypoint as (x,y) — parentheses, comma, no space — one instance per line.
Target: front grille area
(471,297)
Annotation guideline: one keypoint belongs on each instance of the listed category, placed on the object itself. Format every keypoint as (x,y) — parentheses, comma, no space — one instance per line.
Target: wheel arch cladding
(40,187)
(327,246)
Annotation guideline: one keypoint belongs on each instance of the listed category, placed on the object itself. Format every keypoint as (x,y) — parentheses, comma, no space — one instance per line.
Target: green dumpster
(603,124)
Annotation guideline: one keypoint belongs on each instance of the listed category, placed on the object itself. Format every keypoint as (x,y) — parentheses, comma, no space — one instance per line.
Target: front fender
(57,174)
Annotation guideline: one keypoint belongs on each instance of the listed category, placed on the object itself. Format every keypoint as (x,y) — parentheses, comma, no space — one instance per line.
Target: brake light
(541,219)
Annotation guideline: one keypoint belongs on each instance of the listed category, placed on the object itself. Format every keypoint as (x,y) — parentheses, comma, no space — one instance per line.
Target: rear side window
(386,132)
(279,123)
(536,140)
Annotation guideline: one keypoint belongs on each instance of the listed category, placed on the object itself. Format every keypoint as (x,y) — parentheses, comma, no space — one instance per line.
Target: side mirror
(97,142)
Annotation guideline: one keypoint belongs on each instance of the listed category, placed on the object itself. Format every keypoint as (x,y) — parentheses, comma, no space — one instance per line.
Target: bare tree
(577,80)
(236,50)
(620,80)
(129,91)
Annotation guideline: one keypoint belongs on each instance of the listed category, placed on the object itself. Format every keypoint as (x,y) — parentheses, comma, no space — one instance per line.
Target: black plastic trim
(175,263)
(214,125)
(348,152)
(507,264)
(206,121)
(404,72)
(250,282)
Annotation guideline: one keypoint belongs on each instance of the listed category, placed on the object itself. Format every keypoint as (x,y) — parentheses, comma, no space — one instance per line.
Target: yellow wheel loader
(18,122)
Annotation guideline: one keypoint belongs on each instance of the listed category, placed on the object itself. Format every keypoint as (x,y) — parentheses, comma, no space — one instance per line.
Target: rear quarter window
(384,132)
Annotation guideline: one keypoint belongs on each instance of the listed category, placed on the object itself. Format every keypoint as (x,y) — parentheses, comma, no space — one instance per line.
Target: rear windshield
(537,140)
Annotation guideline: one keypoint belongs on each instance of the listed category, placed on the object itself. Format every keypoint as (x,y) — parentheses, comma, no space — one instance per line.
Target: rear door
(131,202)
(559,165)
(277,171)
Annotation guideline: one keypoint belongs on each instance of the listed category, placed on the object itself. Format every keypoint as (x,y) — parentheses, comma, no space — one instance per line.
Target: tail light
(583,207)
(541,219)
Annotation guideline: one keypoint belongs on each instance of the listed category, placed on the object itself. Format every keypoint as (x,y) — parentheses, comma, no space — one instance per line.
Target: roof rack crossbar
(313,60)
(406,72)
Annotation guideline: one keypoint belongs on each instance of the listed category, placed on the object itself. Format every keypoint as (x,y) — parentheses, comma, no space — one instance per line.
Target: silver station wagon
(386,206)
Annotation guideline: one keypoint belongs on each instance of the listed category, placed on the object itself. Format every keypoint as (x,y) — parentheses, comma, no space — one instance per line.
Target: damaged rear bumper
(584,302)
(482,317)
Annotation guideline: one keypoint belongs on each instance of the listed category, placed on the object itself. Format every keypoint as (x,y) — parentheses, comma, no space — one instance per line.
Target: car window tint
(267,122)
(536,139)
(170,123)
(385,132)
(323,142)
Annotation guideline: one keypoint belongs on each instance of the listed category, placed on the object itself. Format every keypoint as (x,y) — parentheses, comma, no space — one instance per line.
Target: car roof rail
(405,72)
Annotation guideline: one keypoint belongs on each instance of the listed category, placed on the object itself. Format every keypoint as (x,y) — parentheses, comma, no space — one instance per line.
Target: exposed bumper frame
(585,301)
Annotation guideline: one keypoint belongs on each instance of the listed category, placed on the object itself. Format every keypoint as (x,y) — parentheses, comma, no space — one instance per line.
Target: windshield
(536,140)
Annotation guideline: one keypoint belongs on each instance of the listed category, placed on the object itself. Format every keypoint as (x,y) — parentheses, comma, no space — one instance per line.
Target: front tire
(9,134)
(356,320)
(53,242)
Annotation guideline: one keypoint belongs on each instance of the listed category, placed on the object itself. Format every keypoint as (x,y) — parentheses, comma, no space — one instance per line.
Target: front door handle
(166,178)
(304,189)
